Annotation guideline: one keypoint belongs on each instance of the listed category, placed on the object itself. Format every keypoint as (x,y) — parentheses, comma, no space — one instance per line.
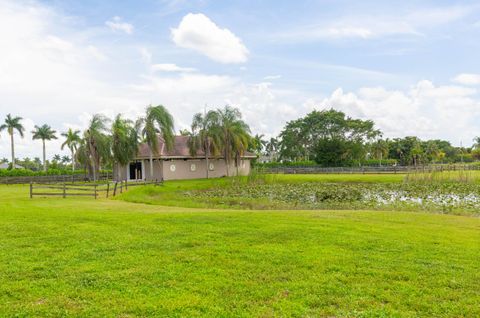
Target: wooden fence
(368,169)
(95,190)
(52,179)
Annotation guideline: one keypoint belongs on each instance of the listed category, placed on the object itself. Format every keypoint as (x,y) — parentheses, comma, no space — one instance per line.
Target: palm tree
(65,160)
(205,135)
(81,155)
(43,133)
(72,141)
(157,121)
(380,149)
(258,144)
(97,145)
(124,141)
(272,148)
(432,150)
(235,135)
(11,124)
(476,142)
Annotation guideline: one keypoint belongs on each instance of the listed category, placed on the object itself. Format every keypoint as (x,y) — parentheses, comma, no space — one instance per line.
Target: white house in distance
(6,166)
(177,163)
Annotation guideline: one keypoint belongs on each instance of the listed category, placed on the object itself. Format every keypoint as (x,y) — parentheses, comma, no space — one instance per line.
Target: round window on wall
(172,168)
(193,167)
(211,166)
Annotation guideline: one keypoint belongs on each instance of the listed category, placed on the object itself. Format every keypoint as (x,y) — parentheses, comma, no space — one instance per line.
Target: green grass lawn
(111,258)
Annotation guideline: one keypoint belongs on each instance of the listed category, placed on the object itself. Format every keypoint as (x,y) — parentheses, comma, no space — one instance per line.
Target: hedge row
(371,162)
(50,172)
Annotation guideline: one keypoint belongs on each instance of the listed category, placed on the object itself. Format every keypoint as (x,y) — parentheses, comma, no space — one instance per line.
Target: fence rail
(368,169)
(52,179)
(95,190)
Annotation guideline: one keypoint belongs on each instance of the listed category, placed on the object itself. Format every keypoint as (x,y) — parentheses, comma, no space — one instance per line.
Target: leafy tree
(294,143)
(11,125)
(157,122)
(44,133)
(235,135)
(329,136)
(72,141)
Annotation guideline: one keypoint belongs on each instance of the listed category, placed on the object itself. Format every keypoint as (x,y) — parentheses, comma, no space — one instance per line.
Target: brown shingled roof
(180,150)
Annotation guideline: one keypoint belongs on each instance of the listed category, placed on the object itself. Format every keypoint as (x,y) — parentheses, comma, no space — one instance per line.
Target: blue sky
(412,66)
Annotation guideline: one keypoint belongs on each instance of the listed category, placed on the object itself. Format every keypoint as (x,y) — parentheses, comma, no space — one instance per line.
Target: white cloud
(116,24)
(146,55)
(467,79)
(373,26)
(272,77)
(95,52)
(426,110)
(169,67)
(197,32)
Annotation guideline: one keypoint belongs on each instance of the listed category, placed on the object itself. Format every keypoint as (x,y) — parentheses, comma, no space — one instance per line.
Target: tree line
(108,143)
(331,138)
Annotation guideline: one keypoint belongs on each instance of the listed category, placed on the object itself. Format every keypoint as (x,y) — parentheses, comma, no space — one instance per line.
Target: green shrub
(286,164)
(50,172)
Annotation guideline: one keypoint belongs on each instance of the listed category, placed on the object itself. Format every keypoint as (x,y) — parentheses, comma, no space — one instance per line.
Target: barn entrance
(135,170)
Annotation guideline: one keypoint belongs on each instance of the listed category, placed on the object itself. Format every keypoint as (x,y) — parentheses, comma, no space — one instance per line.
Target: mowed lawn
(110,258)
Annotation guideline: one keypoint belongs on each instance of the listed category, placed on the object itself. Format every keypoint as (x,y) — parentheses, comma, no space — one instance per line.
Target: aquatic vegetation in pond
(440,197)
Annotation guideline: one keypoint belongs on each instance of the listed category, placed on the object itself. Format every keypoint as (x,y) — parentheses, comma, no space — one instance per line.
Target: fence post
(115,188)
(108,188)
(126,185)
(31,189)
(121,186)
(64,190)
(95,189)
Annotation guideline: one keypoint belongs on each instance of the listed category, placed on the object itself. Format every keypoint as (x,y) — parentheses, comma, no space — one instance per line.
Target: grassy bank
(110,258)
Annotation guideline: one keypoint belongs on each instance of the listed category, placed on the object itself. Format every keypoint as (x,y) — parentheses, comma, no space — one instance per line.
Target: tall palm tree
(235,135)
(81,155)
(72,141)
(97,145)
(11,124)
(476,142)
(271,148)
(157,122)
(124,141)
(380,149)
(43,133)
(258,144)
(205,135)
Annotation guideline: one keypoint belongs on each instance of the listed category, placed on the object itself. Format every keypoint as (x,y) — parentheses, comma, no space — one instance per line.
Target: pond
(438,197)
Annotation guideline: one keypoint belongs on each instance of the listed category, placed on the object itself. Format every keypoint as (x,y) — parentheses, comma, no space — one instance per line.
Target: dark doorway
(136,170)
